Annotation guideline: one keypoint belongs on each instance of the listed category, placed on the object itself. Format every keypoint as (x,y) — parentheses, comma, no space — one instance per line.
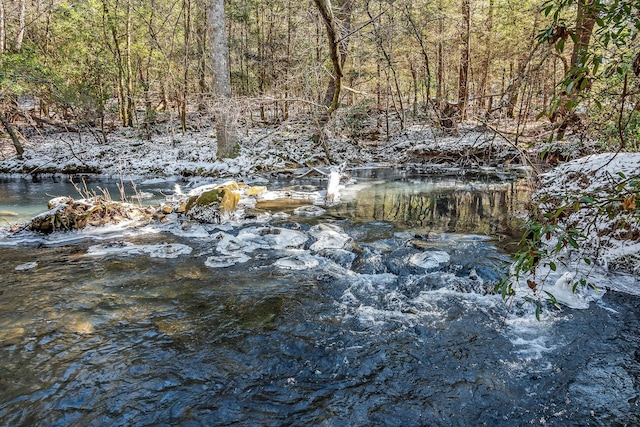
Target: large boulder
(211,204)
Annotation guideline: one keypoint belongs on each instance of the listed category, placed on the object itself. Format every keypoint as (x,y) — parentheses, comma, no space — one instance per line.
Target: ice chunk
(226,260)
(26,266)
(429,259)
(309,210)
(164,250)
(329,236)
(189,229)
(297,262)
(229,245)
(273,237)
(168,250)
(560,284)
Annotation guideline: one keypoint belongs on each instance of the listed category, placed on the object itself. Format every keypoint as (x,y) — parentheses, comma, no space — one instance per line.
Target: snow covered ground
(267,150)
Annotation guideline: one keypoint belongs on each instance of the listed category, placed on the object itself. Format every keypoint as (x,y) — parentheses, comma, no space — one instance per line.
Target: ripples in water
(335,321)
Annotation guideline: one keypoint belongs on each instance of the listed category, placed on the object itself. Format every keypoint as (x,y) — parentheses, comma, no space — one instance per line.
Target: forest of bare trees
(565,65)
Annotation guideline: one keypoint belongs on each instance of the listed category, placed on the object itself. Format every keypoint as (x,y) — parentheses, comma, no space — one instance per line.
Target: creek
(378,311)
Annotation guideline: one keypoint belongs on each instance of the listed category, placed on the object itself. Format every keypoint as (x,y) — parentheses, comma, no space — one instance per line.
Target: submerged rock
(339,256)
(369,262)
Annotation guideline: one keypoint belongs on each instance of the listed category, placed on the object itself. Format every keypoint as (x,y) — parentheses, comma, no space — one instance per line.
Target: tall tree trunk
(201,37)
(333,38)
(128,69)
(585,21)
(343,17)
(21,25)
(12,135)
(225,129)
(262,72)
(440,71)
(288,62)
(463,79)
(564,116)
(185,76)
(2,29)
(486,61)
(110,24)
(425,56)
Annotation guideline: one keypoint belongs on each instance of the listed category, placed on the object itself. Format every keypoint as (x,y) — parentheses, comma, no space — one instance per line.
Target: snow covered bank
(586,230)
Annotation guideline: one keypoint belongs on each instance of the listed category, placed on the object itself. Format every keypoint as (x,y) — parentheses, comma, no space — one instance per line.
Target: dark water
(393,327)
(21,199)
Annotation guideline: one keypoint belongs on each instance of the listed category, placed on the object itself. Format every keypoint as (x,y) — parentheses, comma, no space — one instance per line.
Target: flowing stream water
(378,311)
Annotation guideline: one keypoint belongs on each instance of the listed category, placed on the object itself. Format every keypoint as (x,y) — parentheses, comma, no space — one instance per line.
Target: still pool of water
(378,312)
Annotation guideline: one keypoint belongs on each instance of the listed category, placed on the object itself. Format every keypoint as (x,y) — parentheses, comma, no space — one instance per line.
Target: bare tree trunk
(225,129)
(440,70)
(262,73)
(333,37)
(109,23)
(288,59)
(463,79)
(201,35)
(128,73)
(21,25)
(486,61)
(585,21)
(414,78)
(343,16)
(185,76)
(2,28)
(12,135)
(510,94)
(418,35)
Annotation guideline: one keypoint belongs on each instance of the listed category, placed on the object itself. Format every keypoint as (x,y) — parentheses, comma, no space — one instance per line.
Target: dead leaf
(532,285)
(629,203)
